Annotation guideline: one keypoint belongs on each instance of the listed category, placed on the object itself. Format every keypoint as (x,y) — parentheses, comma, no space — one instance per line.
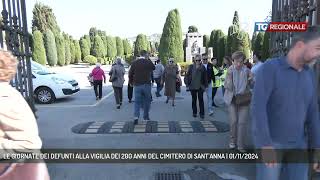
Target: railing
(291,11)
(14,37)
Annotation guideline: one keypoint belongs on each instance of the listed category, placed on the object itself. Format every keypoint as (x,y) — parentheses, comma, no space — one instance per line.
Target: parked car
(49,86)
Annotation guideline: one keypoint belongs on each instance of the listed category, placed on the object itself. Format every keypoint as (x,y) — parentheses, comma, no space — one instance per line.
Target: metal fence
(14,37)
(291,11)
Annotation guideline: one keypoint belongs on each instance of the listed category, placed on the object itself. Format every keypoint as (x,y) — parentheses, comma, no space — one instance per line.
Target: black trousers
(97,85)
(118,94)
(214,92)
(197,94)
(130,92)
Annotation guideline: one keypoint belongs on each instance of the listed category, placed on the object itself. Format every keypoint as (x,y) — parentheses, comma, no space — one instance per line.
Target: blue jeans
(159,86)
(142,94)
(209,97)
(290,171)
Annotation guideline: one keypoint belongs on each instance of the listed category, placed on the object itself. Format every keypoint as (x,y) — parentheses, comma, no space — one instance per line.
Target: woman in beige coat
(18,126)
(237,83)
(117,74)
(169,78)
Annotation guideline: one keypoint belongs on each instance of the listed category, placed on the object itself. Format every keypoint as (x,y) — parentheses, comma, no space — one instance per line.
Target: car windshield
(39,69)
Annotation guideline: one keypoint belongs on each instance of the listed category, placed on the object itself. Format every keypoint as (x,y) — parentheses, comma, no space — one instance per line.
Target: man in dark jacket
(210,78)
(197,82)
(140,77)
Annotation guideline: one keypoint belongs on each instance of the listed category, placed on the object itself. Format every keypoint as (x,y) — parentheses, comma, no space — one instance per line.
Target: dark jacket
(210,74)
(204,76)
(141,72)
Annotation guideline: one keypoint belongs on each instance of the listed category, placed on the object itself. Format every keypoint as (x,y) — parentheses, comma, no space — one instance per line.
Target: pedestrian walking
(257,63)
(237,97)
(18,127)
(140,77)
(170,77)
(117,78)
(216,82)
(285,112)
(196,81)
(98,76)
(157,74)
(210,77)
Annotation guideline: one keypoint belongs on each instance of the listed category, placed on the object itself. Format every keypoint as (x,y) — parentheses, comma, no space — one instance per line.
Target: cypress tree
(259,42)
(72,50)
(77,51)
(67,49)
(39,51)
(119,43)
(192,29)
(221,49)
(265,46)
(85,49)
(253,40)
(140,44)
(171,44)
(236,20)
(112,48)
(61,50)
(206,40)
(212,35)
(87,37)
(98,47)
(51,48)
(218,35)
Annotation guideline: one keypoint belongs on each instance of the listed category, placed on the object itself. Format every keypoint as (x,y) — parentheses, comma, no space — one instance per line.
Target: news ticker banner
(155,156)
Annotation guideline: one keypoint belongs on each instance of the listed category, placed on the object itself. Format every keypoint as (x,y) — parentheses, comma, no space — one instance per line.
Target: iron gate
(291,11)
(14,37)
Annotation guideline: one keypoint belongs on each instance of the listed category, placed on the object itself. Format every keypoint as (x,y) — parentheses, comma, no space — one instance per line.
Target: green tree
(67,48)
(240,43)
(77,51)
(221,51)
(236,20)
(156,46)
(218,34)
(127,47)
(192,29)
(212,35)
(171,44)
(98,48)
(87,37)
(85,49)
(253,40)
(265,46)
(259,42)
(140,44)
(206,40)
(51,48)
(72,50)
(105,45)
(44,19)
(92,34)
(119,43)
(39,52)
(61,50)
(90,59)
(112,48)
(233,29)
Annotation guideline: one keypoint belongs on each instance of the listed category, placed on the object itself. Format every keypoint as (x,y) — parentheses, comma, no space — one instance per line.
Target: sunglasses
(170,61)
(198,60)
(205,59)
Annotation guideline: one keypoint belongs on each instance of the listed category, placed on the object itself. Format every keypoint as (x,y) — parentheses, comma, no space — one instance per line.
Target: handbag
(113,77)
(243,99)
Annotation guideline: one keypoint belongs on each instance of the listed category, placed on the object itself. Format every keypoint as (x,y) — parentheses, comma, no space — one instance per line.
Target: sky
(128,18)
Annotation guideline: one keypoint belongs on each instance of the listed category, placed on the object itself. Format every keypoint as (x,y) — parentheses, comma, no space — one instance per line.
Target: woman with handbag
(18,127)
(98,76)
(117,78)
(238,97)
(169,78)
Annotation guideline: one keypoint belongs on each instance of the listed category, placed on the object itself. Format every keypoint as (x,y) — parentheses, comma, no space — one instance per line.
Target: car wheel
(44,95)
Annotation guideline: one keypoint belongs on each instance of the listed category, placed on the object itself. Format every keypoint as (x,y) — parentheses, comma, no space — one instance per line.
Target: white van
(49,86)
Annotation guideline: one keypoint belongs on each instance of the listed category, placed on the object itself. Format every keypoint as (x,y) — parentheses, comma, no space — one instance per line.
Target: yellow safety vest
(217,82)
(224,75)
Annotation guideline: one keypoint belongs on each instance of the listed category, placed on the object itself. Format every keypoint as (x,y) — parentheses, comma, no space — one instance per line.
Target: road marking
(115,130)
(91,131)
(77,106)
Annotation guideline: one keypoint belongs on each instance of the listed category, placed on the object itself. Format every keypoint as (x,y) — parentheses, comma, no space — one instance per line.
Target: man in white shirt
(257,63)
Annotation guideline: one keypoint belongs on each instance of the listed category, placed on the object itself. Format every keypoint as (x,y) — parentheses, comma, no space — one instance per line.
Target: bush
(184,67)
(90,59)
(100,60)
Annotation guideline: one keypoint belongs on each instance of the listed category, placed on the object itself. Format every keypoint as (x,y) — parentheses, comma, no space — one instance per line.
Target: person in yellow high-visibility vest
(217,79)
